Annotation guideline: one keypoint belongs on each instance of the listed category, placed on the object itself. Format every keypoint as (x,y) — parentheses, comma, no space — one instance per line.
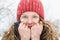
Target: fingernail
(40,22)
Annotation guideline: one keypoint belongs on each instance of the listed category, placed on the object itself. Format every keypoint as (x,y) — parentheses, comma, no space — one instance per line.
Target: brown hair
(47,34)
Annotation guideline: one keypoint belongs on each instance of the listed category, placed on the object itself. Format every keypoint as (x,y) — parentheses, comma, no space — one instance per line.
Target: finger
(40,25)
(22,26)
(33,27)
(26,27)
(40,22)
(37,24)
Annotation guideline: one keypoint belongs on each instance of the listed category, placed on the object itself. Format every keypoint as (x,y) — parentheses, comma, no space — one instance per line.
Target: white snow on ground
(8,13)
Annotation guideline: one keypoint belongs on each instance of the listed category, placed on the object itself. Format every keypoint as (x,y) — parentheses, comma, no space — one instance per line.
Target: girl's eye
(24,17)
(35,17)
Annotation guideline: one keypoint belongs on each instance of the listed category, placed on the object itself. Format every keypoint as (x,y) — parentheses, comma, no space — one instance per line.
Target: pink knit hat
(30,5)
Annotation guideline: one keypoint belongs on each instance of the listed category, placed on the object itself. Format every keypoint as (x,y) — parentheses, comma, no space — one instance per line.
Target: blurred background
(8,9)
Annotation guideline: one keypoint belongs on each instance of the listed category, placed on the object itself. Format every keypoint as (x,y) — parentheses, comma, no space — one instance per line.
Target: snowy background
(8,13)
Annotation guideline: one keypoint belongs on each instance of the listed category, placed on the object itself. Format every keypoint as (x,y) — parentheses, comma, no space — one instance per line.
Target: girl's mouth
(29,27)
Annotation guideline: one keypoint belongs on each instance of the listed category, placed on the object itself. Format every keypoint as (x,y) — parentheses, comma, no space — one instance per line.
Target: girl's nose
(30,21)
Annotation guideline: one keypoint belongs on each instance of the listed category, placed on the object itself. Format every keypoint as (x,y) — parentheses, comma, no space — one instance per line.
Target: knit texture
(30,5)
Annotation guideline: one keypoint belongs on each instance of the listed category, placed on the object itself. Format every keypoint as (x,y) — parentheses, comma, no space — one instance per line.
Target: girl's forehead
(30,13)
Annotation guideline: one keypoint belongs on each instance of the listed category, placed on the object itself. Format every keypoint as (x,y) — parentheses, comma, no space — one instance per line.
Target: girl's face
(29,18)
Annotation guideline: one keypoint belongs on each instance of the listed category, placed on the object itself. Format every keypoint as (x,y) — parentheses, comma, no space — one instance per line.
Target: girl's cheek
(36,20)
(23,20)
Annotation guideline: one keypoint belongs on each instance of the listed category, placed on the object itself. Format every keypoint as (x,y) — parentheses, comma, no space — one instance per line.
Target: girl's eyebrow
(24,15)
(35,15)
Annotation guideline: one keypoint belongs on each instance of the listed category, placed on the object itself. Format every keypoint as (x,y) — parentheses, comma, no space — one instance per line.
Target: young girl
(30,23)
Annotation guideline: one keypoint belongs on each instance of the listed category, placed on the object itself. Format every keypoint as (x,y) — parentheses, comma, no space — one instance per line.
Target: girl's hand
(36,31)
(24,32)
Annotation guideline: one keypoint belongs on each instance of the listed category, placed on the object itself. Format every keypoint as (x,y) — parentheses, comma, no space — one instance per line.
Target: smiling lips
(29,26)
